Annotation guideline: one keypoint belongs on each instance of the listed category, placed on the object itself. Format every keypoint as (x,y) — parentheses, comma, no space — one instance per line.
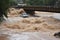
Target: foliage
(4,5)
(41,2)
(13,2)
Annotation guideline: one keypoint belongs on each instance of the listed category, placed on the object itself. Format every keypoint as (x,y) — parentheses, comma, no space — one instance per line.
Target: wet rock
(24,15)
(57,35)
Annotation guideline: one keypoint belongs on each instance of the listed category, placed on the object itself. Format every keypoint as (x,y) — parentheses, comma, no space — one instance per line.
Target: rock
(24,15)
(57,35)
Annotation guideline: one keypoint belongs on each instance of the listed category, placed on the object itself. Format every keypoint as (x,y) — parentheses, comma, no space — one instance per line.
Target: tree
(13,2)
(57,4)
(35,2)
(40,2)
(4,5)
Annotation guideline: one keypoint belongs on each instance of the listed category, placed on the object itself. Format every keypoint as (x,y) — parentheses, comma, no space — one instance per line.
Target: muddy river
(31,28)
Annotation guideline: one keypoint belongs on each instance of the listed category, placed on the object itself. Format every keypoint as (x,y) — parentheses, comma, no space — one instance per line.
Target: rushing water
(13,34)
